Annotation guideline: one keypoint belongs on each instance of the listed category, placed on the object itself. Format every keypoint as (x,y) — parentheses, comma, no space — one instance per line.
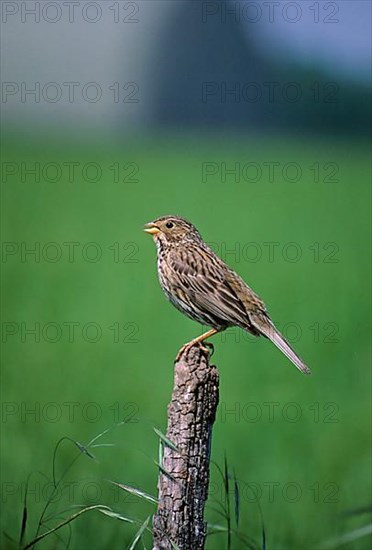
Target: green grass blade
(136,492)
(115,515)
(139,533)
(236,500)
(347,538)
(167,441)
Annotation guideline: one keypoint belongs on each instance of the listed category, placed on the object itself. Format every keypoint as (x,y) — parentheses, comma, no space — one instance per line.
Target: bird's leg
(197,340)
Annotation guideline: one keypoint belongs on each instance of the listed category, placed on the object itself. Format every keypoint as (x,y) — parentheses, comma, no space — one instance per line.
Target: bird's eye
(169,225)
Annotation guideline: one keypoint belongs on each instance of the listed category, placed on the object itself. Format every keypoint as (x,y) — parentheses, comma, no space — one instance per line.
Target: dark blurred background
(252,119)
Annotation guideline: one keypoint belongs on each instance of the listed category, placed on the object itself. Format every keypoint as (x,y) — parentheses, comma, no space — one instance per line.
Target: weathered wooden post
(183,481)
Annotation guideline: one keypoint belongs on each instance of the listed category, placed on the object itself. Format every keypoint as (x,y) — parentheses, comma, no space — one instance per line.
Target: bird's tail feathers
(269,330)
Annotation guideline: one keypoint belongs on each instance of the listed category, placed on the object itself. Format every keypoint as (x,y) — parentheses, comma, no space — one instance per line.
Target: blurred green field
(302,441)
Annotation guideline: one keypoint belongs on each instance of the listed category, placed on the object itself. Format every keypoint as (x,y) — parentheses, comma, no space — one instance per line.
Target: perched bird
(204,288)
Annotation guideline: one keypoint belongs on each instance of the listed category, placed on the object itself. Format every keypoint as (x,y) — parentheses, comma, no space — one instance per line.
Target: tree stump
(184,477)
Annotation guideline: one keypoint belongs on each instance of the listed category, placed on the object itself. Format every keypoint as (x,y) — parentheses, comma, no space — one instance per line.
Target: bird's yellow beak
(151,229)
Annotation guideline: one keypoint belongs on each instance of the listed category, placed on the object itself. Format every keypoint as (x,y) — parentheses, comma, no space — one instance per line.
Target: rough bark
(183,481)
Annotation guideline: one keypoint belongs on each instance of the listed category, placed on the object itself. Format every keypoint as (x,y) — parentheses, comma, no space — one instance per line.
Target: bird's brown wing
(209,285)
(204,281)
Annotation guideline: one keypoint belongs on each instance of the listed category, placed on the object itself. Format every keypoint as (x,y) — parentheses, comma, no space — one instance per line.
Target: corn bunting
(204,288)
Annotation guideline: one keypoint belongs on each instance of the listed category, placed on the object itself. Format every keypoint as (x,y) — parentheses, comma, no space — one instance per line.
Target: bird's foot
(209,347)
(206,347)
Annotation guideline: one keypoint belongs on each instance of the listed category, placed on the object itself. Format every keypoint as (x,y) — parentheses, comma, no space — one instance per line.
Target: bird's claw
(206,347)
(209,347)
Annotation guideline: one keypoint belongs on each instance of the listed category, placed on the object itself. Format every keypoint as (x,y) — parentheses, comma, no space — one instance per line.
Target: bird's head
(168,230)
